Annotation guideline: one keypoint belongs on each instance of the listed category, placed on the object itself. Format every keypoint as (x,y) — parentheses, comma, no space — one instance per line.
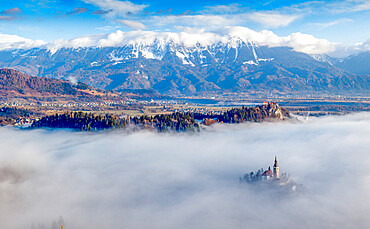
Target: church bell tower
(276,169)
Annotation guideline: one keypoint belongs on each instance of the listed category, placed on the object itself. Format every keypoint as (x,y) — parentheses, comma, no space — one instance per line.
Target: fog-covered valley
(149,180)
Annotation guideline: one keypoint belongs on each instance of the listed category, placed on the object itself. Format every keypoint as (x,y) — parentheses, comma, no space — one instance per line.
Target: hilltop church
(268,174)
(273,177)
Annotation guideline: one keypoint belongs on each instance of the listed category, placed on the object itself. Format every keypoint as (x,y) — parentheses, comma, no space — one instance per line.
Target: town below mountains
(39,91)
(25,100)
(176,69)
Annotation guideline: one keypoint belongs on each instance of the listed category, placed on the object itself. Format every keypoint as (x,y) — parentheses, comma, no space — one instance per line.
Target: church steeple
(276,169)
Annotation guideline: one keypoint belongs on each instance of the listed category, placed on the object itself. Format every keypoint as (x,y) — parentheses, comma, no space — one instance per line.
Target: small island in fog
(272,177)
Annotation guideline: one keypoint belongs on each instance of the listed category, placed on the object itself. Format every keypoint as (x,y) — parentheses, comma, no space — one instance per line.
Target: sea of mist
(118,180)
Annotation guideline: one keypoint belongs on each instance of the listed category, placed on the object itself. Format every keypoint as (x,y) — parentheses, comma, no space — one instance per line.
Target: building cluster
(271,177)
(265,103)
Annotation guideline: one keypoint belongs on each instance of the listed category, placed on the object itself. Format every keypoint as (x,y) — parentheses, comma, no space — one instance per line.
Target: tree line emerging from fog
(178,122)
(247,114)
(92,122)
(81,121)
(9,115)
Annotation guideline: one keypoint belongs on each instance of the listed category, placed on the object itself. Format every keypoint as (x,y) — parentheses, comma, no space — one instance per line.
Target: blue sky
(346,21)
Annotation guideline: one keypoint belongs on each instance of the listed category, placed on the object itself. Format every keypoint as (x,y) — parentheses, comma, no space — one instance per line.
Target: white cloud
(108,28)
(222,9)
(308,44)
(299,42)
(221,16)
(360,47)
(132,24)
(332,23)
(72,80)
(362,5)
(348,6)
(116,7)
(202,21)
(146,180)
(16,42)
(149,38)
(263,37)
(364,45)
(344,51)
(272,20)
(86,41)
(6,17)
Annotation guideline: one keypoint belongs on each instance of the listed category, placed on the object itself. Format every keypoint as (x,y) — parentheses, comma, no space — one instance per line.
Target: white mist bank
(148,180)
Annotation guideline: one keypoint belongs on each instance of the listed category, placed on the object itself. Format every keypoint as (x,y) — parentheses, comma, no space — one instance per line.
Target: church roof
(267,173)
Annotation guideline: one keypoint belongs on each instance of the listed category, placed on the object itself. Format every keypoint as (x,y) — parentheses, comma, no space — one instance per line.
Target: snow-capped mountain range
(184,63)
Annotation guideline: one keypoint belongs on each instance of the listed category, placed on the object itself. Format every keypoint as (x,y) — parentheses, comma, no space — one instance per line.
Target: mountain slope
(15,83)
(357,64)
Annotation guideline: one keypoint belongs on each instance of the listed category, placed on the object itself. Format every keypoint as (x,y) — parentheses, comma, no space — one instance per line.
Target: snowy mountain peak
(190,48)
(234,37)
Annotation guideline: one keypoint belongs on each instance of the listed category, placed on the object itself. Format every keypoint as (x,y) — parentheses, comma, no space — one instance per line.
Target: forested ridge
(177,121)
(248,114)
(81,121)
(168,122)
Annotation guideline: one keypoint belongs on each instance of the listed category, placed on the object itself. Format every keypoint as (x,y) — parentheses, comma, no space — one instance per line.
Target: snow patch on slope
(183,58)
(115,58)
(265,60)
(256,62)
(251,62)
(322,58)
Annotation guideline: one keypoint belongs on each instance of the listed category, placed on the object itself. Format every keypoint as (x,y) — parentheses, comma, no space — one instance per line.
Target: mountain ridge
(177,70)
(357,64)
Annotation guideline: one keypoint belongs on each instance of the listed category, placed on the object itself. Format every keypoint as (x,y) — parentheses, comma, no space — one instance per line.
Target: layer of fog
(148,180)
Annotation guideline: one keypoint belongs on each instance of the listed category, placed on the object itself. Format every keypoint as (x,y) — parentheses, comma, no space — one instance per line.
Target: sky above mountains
(343,22)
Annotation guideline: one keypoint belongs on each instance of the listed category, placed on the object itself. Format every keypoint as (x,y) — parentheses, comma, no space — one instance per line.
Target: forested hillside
(177,122)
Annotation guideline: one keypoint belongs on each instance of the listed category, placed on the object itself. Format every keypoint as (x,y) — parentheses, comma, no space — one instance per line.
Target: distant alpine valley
(43,102)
